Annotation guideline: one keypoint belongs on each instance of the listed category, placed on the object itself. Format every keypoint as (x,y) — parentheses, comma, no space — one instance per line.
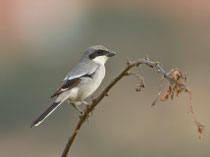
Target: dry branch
(176,86)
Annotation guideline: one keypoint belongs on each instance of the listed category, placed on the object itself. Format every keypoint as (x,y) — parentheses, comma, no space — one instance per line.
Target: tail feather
(46,113)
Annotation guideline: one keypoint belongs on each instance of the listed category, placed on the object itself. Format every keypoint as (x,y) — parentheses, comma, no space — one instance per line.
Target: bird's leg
(86,103)
(87,107)
(76,107)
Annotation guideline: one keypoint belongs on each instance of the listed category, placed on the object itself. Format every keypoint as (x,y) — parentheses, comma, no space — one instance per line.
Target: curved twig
(125,72)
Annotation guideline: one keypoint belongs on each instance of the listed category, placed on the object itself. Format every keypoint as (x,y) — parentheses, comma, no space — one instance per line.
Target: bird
(81,82)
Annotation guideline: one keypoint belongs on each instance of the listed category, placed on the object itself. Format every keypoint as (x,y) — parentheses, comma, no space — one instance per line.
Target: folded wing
(70,83)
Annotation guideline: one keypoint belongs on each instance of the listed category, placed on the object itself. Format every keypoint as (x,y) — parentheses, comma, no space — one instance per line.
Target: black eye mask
(97,53)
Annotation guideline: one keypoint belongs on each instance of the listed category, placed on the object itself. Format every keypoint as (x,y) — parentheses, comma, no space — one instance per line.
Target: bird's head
(99,54)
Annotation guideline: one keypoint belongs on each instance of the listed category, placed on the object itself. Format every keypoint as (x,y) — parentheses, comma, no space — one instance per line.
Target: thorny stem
(104,93)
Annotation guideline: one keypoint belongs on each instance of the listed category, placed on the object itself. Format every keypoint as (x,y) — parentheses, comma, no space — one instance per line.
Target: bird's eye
(100,51)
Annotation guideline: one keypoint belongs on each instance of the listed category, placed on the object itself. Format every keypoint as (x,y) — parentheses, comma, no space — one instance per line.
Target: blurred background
(40,41)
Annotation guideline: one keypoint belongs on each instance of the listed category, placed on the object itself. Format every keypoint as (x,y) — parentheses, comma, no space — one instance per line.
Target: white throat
(100,59)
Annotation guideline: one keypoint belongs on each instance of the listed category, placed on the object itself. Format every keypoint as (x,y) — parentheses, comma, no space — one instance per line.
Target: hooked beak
(110,54)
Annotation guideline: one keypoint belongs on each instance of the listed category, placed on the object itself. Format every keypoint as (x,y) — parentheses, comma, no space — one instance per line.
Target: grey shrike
(81,82)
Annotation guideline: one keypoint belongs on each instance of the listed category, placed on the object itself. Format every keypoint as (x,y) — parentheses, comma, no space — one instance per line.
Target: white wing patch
(73,77)
(69,77)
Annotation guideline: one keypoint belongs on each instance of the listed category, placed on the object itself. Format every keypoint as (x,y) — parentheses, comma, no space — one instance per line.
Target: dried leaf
(177,75)
(166,95)
(200,129)
(201,132)
(177,90)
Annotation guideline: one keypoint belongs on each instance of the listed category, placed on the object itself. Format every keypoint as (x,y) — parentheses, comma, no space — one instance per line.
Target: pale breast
(89,85)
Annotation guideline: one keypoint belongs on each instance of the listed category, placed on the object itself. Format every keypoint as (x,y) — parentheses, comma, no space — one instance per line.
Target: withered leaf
(201,131)
(166,95)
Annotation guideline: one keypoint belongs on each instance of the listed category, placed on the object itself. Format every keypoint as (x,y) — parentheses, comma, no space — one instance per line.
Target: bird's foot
(88,106)
(78,109)
(85,103)
(85,115)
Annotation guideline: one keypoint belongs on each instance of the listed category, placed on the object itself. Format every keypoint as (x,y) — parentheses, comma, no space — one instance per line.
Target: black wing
(68,84)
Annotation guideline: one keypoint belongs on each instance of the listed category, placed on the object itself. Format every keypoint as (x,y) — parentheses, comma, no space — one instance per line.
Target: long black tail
(46,113)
